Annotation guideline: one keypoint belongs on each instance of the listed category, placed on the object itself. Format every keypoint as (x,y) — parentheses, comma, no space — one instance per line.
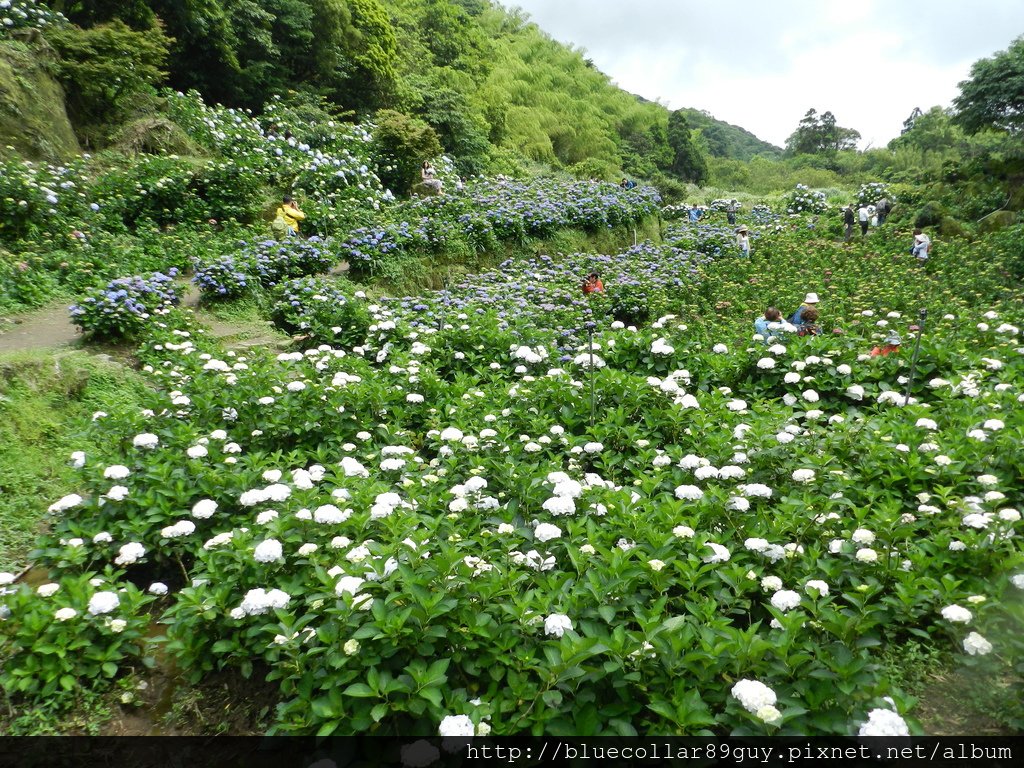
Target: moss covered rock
(998,220)
(32,115)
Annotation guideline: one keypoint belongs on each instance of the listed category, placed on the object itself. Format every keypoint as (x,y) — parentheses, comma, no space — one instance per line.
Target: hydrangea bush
(125,306)
(872,192)
(27,14)
(484,213)
(318,309)
(419,528)
(222,278)
(805,200)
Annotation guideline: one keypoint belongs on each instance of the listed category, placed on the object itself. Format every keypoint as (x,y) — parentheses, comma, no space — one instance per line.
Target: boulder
(32,115)
(998,220)
(426,190)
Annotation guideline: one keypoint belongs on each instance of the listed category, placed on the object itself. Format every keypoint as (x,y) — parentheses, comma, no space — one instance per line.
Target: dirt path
(46,328)
(50,327)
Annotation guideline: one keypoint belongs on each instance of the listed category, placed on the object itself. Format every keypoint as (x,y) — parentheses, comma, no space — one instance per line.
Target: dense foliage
(993,96)
(422,515)
(820,134)
(507,505)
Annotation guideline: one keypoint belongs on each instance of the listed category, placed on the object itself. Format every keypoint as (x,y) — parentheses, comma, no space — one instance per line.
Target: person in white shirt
(743,241)
(864,216)
(921,247)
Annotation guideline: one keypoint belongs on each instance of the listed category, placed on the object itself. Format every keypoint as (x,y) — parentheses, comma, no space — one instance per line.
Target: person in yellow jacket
(291,214)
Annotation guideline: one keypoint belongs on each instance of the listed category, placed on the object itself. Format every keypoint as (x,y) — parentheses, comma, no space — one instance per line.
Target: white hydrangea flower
(689,493)
(146,440)
(786,599)
(956,614)
(204,508)
(976,645)
(884,722)
(866,555)
(721,554)
(753,695)
(103,602)
(456,725)
(546,532)
(863,536)
(130,553)
(67,502)
(556,624)
(818,586)
(268,551)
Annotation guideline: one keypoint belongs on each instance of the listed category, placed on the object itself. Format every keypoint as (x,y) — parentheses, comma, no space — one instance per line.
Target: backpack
(279,226)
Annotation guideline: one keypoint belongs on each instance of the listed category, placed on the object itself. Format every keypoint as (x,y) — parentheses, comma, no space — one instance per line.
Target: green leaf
(378,712)
(433,695)
(323,709)
(552,698)
(360,691)
(327,729)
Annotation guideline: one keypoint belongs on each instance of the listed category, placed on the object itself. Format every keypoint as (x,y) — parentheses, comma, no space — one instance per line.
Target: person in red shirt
(593,284)
(892,346)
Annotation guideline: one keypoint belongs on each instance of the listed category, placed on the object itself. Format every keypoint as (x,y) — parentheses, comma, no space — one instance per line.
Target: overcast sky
(762,65)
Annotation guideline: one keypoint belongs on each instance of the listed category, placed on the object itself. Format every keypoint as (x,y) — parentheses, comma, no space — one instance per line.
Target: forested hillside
(410,420)
(728,140)
(498,92)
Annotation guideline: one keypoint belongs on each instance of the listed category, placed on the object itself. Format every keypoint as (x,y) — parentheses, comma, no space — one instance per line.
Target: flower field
(506,507)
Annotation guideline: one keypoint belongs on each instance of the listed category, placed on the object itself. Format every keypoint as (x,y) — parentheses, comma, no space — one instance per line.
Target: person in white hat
(922,246)
(743,240)
(810,300)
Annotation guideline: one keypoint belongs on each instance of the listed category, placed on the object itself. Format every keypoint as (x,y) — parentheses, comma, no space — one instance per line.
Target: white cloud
(762,66)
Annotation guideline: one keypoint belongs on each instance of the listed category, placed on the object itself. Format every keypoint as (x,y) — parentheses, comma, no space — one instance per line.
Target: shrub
(403,143)
(322,310)
(124,307)
(221,278)
(104,68)
(272,261)
(805,200)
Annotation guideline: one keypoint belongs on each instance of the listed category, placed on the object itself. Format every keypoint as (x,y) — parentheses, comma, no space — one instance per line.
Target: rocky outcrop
(32,115)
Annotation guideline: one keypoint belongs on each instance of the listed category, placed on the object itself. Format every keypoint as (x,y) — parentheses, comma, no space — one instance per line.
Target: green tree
(461,129)
(450,34)
(402,143)
(993,96)
(820,134)
(930,131)
(204,55)
(371,47)
(909,122)
(104,69)
(688,163)
(137,14)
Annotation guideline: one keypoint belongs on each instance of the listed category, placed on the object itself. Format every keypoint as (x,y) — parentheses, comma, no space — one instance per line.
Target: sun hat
(893,338)
(811,298)
(742,228)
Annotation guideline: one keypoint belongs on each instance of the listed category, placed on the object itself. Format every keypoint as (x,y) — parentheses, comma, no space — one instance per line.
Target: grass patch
(46,401)
(954,700)
(247,309)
